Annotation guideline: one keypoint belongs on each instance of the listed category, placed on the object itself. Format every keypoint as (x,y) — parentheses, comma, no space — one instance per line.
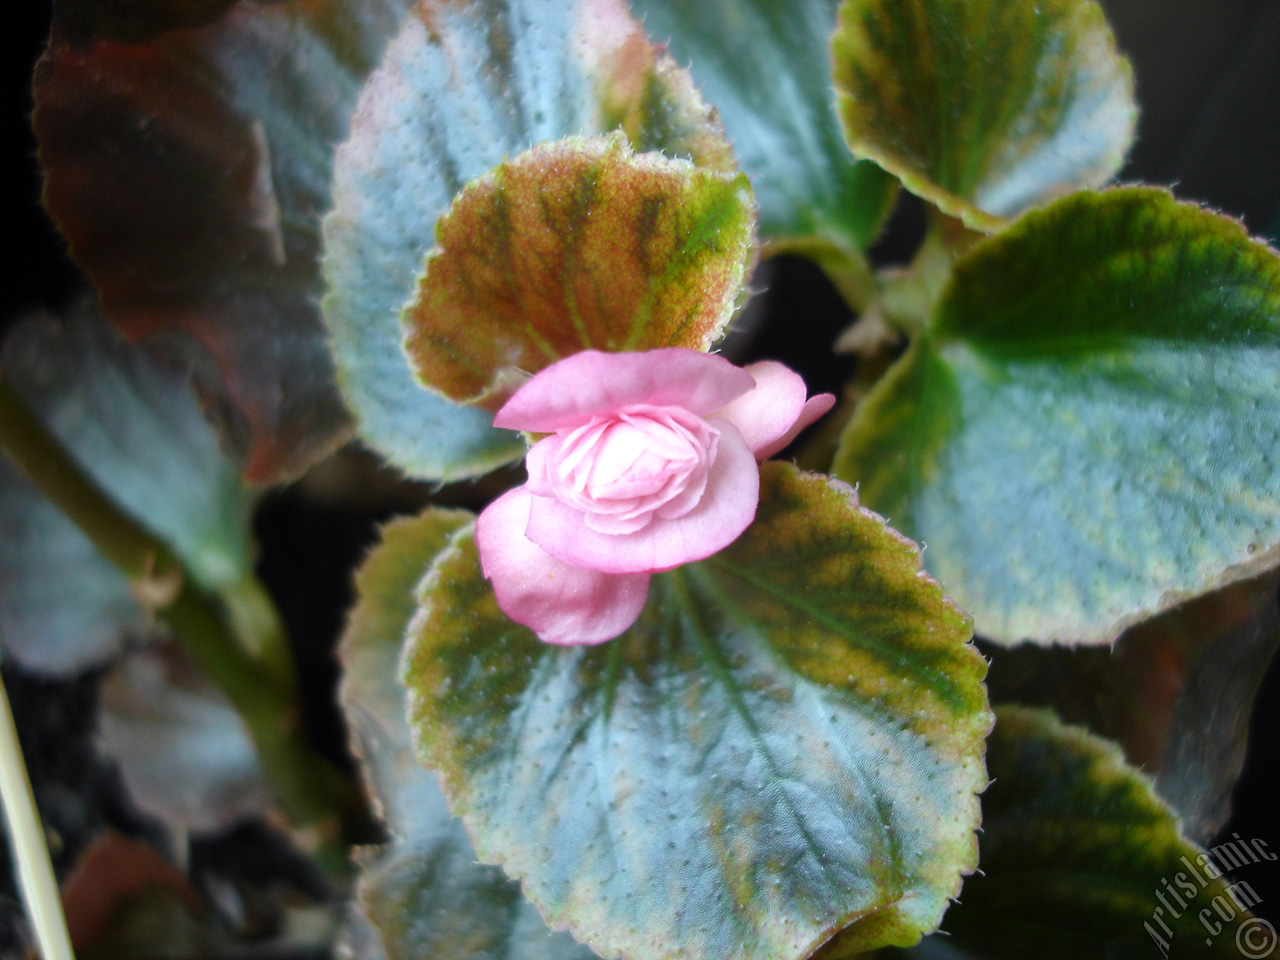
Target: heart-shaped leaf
(424,893)
(766,66)
(577,245)
(984,107)
(1086,435)
(785,748)
(462,87)
(1081,859)
(189,173)
(1176,692)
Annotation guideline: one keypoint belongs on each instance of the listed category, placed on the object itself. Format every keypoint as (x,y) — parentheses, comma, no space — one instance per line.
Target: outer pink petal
(726,509)
(561,603)
(536,462)
(814,408)
(766,413)
(572,390)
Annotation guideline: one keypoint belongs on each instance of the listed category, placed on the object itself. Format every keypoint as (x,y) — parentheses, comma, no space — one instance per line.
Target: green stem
(256,623)
(314,795)
(139,555)
(131,547)
(30,851)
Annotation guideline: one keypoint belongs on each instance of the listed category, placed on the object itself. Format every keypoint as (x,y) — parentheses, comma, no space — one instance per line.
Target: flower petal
(765,413)
(813,408)
(537,463)
(561,603)
(727,508)
(572,390)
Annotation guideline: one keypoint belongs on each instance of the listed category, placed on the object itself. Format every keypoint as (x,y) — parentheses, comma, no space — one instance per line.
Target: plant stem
(256,623)
(30,851)
(156,574)
(140,556)
(312,792)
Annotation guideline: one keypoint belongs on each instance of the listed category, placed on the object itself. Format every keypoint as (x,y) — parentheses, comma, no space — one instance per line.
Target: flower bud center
(626,467)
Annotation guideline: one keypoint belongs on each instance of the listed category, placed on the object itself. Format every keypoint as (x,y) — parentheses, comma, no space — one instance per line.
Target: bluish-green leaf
(423,892)
(984,107)
(1086,434)
(63,607)
(463,86)
(136,428)
(784,749)
(766,66)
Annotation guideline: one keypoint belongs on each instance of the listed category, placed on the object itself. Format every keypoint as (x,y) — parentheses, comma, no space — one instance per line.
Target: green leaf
(766,66)
(576,245)
(63,607)
(183,752)
(462,87)
(189,174)
(1176,692)
(984,107)
(785,747)
(1086,433)
(136,427)
(1077,853)
(423,892)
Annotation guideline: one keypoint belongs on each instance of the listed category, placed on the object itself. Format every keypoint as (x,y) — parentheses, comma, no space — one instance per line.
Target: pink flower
(651,463)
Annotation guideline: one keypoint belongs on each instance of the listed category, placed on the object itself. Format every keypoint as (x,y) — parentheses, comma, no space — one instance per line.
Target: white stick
(30,852)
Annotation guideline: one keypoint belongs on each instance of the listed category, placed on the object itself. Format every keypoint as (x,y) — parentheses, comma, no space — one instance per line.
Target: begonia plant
(667,651)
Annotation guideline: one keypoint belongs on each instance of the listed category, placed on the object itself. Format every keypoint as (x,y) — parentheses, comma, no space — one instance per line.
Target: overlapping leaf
(63,606)
(136,428)
(189,173)
(124,901)
(784,749)
(1176,693)
(984,107)
(184,754)
(424,892)
(766,66)
(462,87)
(1085,434)
(1080,859)
(575,245)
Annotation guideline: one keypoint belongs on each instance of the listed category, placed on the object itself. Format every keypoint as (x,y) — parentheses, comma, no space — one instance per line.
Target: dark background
(1208,75)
